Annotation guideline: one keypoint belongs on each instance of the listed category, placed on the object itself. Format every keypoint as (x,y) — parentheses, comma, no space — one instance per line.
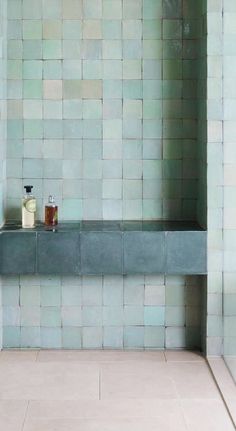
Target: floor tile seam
(25,416)
(221,394)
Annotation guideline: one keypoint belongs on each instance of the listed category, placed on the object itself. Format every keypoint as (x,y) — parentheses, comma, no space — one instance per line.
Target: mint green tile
(14,49)
(112,316)
(173,8)
(132,29)
(112,10)
(32,69)
(152,9)
(32,9)
(132,149)
(92,338)
(71,316)
(152,29)
(112,69)
(175,316)
(152,149)
(132,189)
(113,337)
(133,315)
(71,338)
(132,9)
(175,338)
(172,29)
(132,128)
(11,337)
(92,69)
(172,69)
(172,169)
(152,129)
(72,209)
(10,295)
(154,316)
(52,29)
(152,109)
(92,129)
(132,89)
(152,169)
(152,89)
(72,109)
(32,29)
(172,89)
(14,69)
(30,337)
(32,89)
(32,49)
(51,295)
(14,89)
(72,29)
(154,337)
(152,49)
(51,338)
(92,10)
(133,336)
(92,109)
(52,168)
(92,316)
(132,169)
(29,296)
(52,9)
(71,69)
(172,49)
(53,129)
(11,316)
(112,89)
(72,89)
(15,129)
(71,49)
(153,209)
(52,69)
(111,29)
(175,295)
(14,29)
(32,168)
(132,49)
(14,9)
(33,129)
(30,316)
(52,49)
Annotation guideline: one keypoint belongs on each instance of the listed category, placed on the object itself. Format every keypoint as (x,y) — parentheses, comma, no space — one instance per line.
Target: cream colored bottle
(28,209)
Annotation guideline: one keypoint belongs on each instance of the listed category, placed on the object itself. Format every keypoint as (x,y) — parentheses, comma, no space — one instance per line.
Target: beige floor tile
(183,356)
(108,425)
(136,383)
(100,356)
(144,368)
(206,415)
(18,355)
(193,380)
(12,415)
(104,409)
(49,381)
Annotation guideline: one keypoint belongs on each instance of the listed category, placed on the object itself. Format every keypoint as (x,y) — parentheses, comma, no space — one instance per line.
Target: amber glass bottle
(51,212)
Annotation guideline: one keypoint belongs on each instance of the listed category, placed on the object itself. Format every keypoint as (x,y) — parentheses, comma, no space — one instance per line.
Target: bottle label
(30,205)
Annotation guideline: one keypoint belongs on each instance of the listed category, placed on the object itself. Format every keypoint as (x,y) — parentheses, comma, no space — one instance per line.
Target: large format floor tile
(37,381)
(109,391)
(12,415)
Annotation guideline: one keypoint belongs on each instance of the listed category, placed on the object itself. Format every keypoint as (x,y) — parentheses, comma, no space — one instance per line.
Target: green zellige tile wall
(102,107)
(102,312)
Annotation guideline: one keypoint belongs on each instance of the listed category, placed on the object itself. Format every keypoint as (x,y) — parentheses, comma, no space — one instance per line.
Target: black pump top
(28,189)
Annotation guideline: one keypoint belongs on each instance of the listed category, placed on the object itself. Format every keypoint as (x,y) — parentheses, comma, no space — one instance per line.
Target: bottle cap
(28,189)
(51,199)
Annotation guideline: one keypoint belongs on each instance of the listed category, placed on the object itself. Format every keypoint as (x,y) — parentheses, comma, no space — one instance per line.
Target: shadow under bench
(104,247)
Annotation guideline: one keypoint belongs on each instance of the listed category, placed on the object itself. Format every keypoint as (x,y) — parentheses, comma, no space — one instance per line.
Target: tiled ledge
(104,248)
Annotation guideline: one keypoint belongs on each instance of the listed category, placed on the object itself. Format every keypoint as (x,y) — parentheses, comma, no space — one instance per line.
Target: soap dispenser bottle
(51,212)
(28,208)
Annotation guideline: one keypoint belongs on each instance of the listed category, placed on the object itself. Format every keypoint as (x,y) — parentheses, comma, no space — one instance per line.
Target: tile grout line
(100,384)
(26,413)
